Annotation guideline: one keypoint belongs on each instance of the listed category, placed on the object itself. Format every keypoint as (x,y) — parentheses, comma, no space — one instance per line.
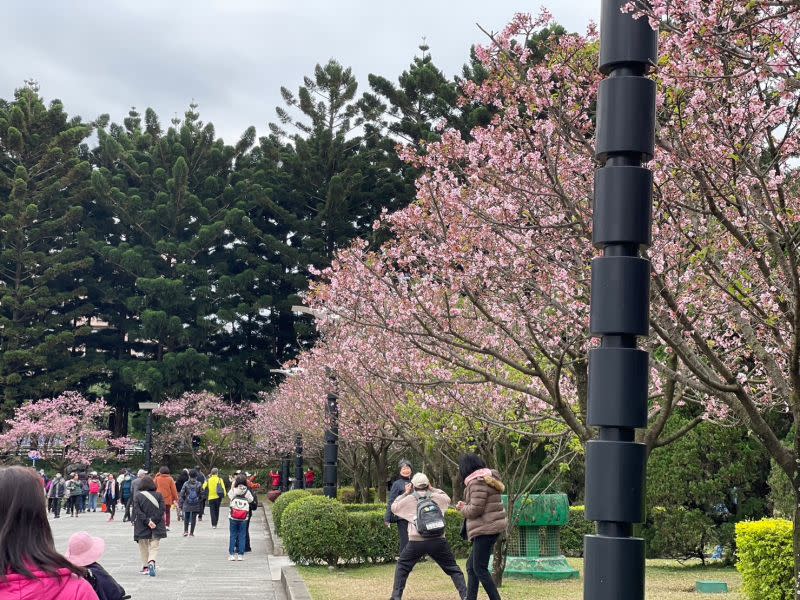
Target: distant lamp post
(298,457)
(148,447)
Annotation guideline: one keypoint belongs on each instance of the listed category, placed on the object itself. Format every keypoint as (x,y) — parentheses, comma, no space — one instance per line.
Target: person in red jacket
(311,477)
(30,567)
(275,479)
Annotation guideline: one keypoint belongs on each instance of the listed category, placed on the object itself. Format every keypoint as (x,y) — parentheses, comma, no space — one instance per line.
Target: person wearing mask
(94,492)
(215,492)
(84,551)
(240,501)
(74,494)
(30,566)
(398,488)
(485,518)
(434,545)
(190,501)
(111,495)
(165,485)
(56,494)
(148,523)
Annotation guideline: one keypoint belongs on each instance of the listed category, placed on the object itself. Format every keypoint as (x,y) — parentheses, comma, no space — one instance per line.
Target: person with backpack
(423,507)
(397,489)
(30,566)
(111,496)
(240,501)
(83,550)
(56,494)
(94,492)
(74,493)
(190,500)
(215,492)
(165,485)
(148,524)
(485,518)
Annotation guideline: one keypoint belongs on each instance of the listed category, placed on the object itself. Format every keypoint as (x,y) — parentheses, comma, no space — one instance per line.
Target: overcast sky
(232,56)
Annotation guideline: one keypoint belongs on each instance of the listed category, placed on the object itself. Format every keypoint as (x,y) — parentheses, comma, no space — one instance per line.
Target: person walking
(202,479)
(31,567)
(94,492)
(148,525)
(253,487)
(419,544)
(165,485)
(240,500)
(83,501)
(397,489)
(83,550)
(485,518)
(134,490)
(111,495)
(215,492)
(190,501)
(125,481)
(179,482)
(74,493)
(56,494)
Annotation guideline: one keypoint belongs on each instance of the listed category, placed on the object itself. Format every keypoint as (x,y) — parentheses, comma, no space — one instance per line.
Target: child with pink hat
(83,550)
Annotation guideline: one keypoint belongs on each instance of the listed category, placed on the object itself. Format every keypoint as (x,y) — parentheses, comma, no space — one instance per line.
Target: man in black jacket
(398,489)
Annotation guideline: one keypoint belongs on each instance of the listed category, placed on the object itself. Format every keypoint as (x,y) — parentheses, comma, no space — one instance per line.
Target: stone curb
(293,584)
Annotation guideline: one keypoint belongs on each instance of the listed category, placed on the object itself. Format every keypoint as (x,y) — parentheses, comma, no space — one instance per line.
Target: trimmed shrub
(353,508)
(347,495)
(572,533)
(315,491)
(368,538)
(315,529)
(282,503)
(453,520)
(766,559)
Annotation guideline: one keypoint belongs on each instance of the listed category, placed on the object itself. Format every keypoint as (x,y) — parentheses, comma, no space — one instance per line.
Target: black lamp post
(298,463)
(618,370)
(148,445)
(330,475)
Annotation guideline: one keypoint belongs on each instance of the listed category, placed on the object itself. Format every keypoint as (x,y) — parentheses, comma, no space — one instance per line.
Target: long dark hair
(25,534)
(147,484)
(468,464)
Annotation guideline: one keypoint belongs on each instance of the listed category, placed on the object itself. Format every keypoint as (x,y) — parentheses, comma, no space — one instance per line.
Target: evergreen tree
(44,184)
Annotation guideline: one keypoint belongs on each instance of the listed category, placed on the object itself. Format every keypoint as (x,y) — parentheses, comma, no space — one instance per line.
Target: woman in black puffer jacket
(148,526)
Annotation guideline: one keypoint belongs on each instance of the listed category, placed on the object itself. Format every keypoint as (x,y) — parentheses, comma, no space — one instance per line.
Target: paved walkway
(189,567)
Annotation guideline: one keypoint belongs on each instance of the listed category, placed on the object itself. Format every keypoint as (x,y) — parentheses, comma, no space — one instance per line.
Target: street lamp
(618,370)
(298,459)
(149,407)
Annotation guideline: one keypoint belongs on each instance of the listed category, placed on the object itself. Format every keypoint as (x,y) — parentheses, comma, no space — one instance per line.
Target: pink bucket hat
(83,549)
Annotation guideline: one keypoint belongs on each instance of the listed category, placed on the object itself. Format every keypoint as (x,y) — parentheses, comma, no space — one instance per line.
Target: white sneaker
(239,557)
(231,557)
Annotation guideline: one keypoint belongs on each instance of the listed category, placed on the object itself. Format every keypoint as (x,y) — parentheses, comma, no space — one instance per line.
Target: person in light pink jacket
(30,567)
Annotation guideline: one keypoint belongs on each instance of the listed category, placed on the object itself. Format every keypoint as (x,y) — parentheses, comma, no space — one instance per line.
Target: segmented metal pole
(330,475)
(300,481)
(618,370)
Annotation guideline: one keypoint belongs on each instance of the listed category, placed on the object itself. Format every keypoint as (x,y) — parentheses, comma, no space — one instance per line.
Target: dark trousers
(213,506)
(478,568)
(56,504)
(202,509)
(189,521)
(72,505)
(111,506)
(402,529)
(439,550)
(127,516)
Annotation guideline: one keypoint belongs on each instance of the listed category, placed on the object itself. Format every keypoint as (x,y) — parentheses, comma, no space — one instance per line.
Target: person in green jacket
(215,486)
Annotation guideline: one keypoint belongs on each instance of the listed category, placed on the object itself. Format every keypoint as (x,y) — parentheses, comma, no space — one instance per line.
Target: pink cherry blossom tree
(66,429)
(220,429)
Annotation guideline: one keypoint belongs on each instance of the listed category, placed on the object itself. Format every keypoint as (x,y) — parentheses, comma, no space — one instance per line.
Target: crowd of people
(28,556)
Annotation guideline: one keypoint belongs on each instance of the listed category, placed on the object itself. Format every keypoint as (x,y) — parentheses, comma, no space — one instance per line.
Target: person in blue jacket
(398,489)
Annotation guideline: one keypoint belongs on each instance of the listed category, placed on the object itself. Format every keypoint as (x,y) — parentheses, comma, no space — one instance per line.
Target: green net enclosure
(534,545)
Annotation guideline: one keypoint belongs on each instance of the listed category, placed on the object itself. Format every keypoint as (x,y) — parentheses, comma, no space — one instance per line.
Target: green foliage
(354,508)
(680,533)
(315,530)
(282,503)
(368,538)
(572,533)
(766,559)
(781,492)
(347,495)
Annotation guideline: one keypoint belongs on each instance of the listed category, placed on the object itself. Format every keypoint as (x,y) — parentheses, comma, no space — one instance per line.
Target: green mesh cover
(540,509)
(550,567)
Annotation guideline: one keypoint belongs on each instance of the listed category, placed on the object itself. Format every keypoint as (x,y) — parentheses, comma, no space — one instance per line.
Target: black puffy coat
(398,489)
(145,512)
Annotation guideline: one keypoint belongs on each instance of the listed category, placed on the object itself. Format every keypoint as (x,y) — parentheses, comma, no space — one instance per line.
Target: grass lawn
(666,580)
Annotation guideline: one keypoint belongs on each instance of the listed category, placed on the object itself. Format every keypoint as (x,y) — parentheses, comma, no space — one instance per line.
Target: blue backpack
(193,497)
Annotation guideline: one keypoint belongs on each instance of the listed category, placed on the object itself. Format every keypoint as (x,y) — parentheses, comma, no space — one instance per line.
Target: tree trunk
(499,560)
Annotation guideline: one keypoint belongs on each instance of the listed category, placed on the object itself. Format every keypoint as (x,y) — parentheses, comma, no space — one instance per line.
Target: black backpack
(104,588)
(430,520)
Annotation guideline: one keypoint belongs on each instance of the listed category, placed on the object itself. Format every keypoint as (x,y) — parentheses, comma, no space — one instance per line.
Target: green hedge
(352,508)
(315,530)
(766,559)
(572,533)
(364,538)
(347,495)
(283,501)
